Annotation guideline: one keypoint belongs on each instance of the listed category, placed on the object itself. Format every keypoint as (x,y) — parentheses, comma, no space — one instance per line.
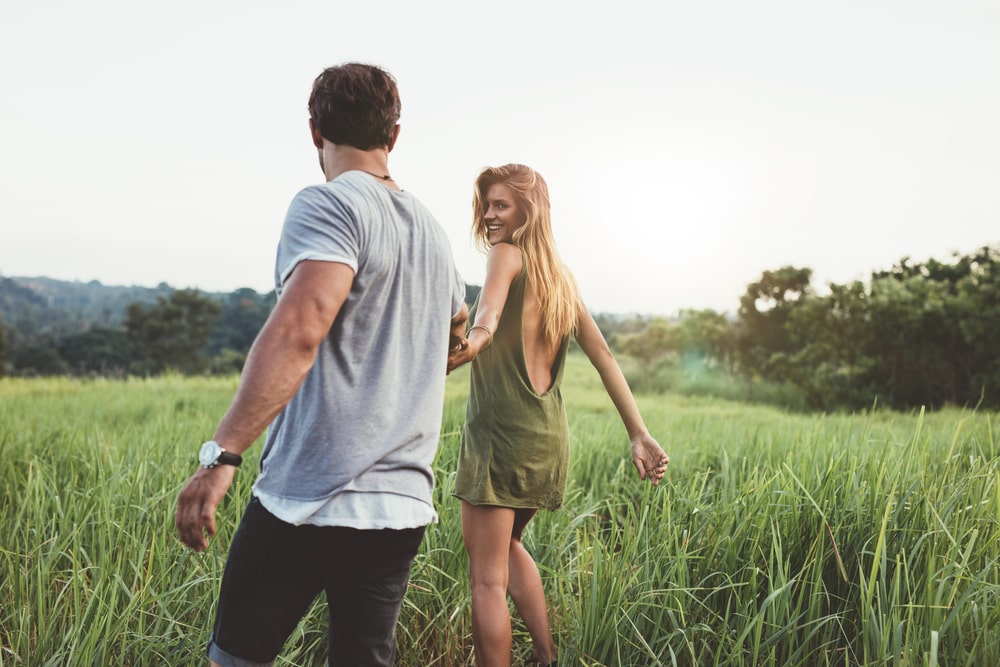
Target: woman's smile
(503,216)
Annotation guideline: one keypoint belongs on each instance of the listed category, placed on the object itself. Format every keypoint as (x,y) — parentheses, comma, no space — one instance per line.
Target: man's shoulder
(316,191)
(325,199)
(310,196)
(352,188)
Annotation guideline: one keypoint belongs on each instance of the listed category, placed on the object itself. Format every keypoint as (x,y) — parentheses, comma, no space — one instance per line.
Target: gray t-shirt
(368,414)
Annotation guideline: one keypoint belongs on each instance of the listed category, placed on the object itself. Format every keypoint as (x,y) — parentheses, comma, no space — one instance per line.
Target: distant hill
(42,306)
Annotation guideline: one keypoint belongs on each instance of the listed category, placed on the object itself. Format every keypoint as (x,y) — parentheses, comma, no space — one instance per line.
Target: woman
(515,446)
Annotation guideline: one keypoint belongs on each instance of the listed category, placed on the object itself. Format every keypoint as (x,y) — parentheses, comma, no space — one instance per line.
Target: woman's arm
(503,265)
(647,455)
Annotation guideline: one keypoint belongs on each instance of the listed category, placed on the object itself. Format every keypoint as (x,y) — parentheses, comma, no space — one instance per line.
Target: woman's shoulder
(505,250)
(506,258)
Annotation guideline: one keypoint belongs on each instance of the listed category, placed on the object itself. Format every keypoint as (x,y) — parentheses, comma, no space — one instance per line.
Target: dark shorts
(275,570)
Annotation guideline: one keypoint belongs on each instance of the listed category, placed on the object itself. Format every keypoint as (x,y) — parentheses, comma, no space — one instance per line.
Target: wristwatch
(212,454)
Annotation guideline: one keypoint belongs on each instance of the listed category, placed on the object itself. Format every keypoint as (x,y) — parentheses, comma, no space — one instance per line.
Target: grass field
(776,539)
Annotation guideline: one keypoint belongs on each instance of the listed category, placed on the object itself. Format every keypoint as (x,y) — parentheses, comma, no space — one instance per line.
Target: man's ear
(395,135)
(316,136)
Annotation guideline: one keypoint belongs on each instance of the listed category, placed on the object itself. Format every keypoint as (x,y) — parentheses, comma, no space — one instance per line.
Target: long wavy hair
(554,284)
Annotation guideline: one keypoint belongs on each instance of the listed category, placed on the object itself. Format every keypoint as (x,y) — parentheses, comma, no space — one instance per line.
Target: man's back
(349,373)
(369,410)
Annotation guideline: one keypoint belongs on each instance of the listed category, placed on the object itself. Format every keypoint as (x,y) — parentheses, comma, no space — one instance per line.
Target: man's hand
(460,353)
(197,502)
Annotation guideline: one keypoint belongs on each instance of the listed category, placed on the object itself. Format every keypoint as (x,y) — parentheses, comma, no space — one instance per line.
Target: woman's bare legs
(487,533)
(525,588)
(498,564)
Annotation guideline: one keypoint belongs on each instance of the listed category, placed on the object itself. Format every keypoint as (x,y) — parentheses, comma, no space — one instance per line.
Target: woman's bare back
(539,357)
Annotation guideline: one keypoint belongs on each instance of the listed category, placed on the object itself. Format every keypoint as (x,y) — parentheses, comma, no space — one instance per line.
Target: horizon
(819,290)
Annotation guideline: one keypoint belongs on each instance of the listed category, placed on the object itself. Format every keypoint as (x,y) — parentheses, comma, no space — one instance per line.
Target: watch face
(209,453)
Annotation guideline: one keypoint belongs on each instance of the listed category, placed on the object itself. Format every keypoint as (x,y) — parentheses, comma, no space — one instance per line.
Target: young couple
(347,376)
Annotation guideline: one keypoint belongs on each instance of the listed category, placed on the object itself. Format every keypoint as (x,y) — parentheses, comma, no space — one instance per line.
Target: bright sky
(689,146)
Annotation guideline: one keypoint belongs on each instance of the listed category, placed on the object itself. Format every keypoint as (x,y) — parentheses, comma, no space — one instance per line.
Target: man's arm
(458,323)
(278,362)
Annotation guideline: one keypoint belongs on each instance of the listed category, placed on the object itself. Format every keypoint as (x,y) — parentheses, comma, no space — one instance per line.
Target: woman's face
(502,214)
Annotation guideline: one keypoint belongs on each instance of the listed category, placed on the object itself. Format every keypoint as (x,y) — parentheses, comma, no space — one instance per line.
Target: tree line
(59,328)
(918,334)
(921,334)
(184,331)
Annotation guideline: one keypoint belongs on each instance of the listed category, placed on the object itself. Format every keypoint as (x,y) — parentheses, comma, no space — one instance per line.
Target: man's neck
(337,159)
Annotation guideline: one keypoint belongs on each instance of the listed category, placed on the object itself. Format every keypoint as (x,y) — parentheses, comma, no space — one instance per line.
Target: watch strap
(212,454)
(229,459)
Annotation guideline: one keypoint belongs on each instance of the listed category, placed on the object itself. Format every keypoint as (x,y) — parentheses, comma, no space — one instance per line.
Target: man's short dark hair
(355,104)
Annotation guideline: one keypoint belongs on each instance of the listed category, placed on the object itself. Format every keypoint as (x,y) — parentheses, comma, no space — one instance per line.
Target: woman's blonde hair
(554,285)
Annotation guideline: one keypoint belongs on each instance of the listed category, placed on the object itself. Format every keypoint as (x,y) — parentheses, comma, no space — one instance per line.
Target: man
(347,375)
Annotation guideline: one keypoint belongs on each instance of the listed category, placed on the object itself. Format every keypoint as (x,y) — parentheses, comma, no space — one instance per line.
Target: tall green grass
(776,539)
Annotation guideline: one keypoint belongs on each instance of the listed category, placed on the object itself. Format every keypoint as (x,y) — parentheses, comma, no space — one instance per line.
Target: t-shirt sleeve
(317,227)
(458,293)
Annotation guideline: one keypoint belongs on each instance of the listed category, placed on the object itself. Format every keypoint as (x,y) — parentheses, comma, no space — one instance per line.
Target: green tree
(99,350)
(705,335)
(934,330)
(656,341)
(240,319)
(172,333)
(919,334)
(978,295)
(830,336)
(763,340)
(38,356)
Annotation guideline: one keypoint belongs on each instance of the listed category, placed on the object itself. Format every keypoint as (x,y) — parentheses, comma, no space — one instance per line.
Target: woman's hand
(649,458)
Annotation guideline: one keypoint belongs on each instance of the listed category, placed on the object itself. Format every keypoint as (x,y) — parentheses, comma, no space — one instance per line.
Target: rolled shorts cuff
(218,655)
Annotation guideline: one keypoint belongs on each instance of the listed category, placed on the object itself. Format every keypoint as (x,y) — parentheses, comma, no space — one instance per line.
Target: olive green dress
(515,445)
